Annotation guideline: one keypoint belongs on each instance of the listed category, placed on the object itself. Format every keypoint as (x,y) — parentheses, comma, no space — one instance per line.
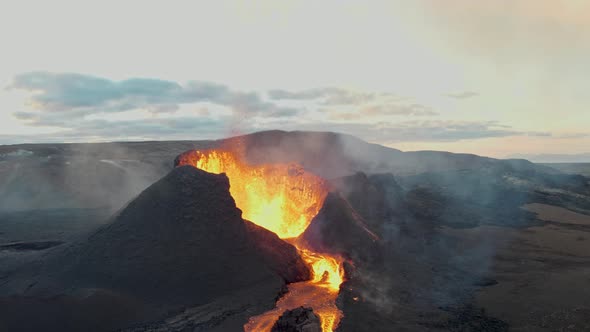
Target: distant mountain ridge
(556,158)
(42,176)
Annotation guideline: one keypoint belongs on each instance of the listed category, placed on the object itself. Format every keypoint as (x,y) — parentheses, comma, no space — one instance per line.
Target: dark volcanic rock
(183,239)
(275,254)
(181,243)
(485,282)
(470,318)
(33,245)
(377,198)
(339,229)
(365,198)
(298,320)
(426,203)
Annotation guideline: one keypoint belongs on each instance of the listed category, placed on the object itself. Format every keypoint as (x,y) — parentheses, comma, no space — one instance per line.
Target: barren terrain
(433,241)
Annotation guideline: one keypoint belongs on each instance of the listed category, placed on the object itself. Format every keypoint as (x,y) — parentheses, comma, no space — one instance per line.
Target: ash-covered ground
(106,237)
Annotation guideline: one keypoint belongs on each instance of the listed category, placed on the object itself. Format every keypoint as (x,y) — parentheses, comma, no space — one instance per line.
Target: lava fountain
(283,199)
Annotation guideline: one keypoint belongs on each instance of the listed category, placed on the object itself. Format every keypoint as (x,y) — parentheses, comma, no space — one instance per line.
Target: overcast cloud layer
(71,102)
(495,78)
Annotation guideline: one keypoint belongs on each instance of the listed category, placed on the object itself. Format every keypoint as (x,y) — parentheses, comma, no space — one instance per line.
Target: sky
(497,78)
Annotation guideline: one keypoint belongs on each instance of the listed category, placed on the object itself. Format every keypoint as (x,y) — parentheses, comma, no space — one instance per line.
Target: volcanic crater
(284,199)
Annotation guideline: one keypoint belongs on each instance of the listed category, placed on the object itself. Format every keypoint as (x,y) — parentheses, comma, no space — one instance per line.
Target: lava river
(283,199)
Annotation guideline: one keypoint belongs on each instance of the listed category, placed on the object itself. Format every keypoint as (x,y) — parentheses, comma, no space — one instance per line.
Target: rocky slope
(445,227)
(181,243)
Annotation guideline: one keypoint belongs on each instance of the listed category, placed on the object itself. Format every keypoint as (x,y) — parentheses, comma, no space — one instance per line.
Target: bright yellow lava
(326,270)
(283,199)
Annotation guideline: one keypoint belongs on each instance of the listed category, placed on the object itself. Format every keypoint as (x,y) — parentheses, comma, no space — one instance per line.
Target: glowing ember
(283,199)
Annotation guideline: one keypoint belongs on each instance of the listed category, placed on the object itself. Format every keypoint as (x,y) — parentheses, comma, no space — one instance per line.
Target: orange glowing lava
(280,198)
(283,199)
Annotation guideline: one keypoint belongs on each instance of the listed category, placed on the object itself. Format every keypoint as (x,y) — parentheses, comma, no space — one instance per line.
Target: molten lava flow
(306,294)
(283,199)
(326,270)
(280,198)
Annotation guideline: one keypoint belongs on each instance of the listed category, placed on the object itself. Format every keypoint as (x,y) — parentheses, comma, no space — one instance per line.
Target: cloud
(88,108)
(400,109)
(454,130)
(423,131)
(80,95)
(200,128)
(380,111)
(343,104)
(299,95)
(83,107)
(553,158)
(327,96)
(462,94)
(151,128)
(575,13)
(179,128)
(574,135)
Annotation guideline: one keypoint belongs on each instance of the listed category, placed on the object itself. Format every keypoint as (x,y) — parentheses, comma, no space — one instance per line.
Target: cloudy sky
(496,78)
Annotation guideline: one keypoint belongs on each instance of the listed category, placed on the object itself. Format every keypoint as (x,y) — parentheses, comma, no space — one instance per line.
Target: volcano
(285,231)
(178,226)
(282,198)
(181,243)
